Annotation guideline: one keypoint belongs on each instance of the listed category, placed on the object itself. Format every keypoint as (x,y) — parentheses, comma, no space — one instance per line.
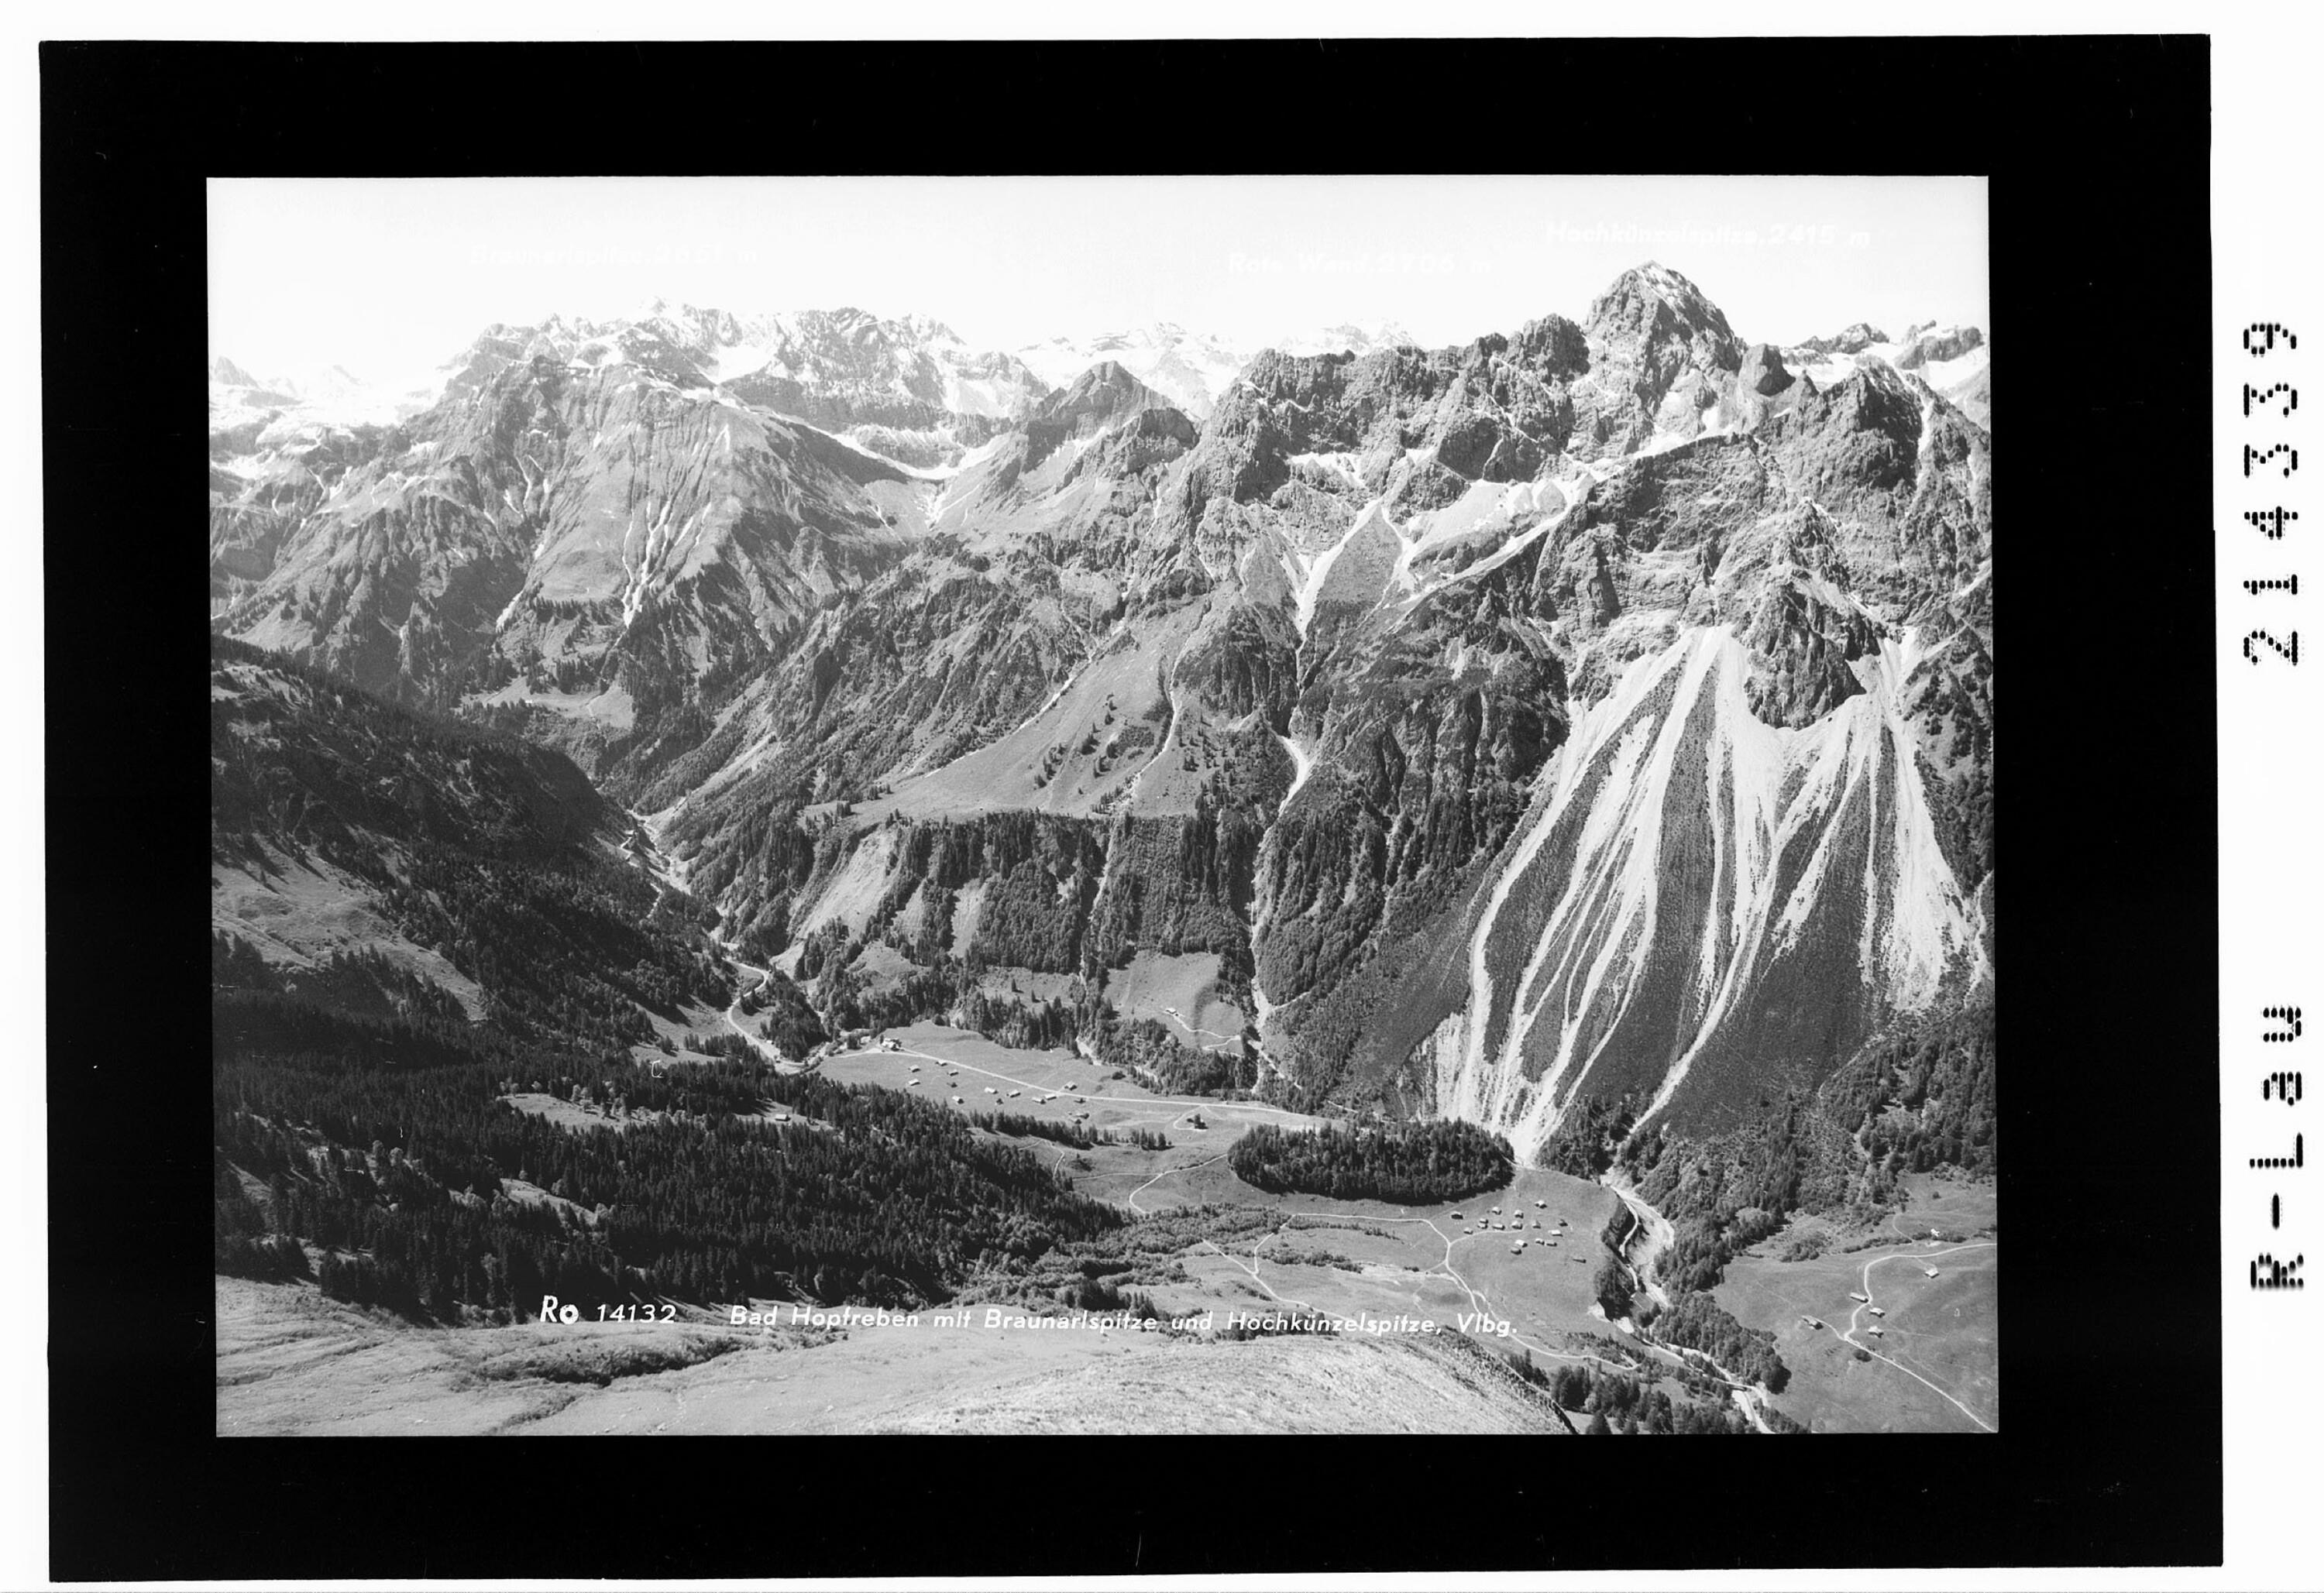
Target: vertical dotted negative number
(2261,337)
(2280,1027)
(2261,395)
(2276,400)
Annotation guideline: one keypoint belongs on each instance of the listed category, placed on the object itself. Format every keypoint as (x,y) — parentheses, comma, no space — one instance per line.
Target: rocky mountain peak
(1929,342)
(1650,304)
(1855,339)
(1873,399)
(1653,336)
(1100,393)
(861,327)
(928,329)
(1107,398)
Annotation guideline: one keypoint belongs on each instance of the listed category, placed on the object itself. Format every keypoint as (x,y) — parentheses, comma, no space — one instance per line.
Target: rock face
(1949,344)
(1763,370)
(266,479)
(1590,708)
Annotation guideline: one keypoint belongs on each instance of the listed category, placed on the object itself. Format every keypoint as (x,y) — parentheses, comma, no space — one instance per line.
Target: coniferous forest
(1411,1166)
(1912,1100)
(387,1144)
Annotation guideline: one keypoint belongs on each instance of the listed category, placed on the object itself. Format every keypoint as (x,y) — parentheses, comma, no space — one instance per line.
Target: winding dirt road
(1658,1232)
(1849,1334)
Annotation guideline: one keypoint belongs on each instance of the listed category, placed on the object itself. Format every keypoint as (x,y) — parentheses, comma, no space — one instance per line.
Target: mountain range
(1598,709)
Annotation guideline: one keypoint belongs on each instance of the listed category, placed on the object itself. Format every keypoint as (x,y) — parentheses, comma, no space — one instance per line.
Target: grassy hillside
(362,853)
(291,1364)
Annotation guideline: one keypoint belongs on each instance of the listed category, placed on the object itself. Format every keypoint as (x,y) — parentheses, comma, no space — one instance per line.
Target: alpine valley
(1559,764)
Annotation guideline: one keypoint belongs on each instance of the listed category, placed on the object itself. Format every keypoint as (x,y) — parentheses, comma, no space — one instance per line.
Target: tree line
(1697,1322)
(1616,1402)
(416,1167)
(1917,1098)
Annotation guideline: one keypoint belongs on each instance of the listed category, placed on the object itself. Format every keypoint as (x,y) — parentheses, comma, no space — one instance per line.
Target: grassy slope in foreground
(289,1361)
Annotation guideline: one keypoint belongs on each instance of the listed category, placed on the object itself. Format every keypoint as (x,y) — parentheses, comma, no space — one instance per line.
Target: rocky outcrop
(1803,638)
(1763,372)
(1856,338)
(1949,344)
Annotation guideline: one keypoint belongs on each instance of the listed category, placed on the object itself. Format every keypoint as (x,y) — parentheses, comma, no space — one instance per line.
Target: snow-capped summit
(1192,370)
(1661,353)
(1662,278)
(1188,369)
(1952,359)
(835,368)
(330,383)
(1102,392)
(1652,302)
(1356,338)
(330,397)
(227,373)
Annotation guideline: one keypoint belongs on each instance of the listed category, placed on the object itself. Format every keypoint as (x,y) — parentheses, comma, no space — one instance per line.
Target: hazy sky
(392,277)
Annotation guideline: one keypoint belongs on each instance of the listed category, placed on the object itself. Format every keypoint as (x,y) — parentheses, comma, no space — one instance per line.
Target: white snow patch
(1303,764)
(1341,464)
(1316,572)
(1942,375)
